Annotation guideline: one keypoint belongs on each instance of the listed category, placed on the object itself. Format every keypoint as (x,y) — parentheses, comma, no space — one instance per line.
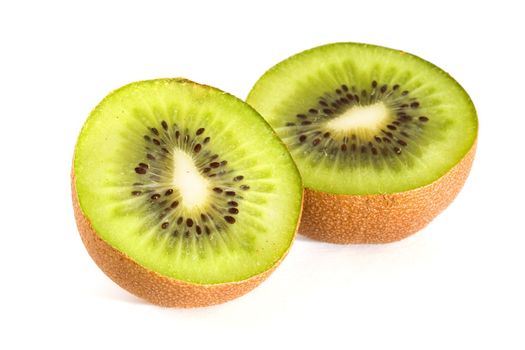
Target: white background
(456,284)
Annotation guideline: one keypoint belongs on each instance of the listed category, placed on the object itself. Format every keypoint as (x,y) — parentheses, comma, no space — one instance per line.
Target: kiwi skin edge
(380,218)
(151,286)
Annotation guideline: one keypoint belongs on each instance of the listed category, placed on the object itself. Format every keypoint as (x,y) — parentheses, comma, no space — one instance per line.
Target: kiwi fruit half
(384,140)
(183,194)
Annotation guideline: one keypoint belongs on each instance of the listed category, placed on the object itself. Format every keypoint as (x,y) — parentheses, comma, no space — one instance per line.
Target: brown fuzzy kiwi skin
(380,218)
(151,286)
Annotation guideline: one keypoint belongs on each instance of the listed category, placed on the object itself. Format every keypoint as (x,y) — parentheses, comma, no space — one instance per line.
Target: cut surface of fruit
(187,181)
(361,119)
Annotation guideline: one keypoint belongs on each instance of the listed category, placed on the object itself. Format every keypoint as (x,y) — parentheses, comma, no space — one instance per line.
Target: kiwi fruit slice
(183,194)
(384,140)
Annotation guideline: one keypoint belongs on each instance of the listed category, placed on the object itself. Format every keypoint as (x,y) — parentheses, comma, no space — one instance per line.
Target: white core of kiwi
(370,117)
(192,186)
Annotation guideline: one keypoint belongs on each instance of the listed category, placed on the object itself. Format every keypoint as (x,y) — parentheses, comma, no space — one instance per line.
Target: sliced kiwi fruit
(384,140)
(183,194)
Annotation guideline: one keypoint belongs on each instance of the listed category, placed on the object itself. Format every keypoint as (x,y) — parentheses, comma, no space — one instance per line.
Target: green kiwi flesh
(187,181)
(362,119)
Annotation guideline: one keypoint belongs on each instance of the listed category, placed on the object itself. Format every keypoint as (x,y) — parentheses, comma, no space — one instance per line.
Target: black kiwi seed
(301,116)
(384,88)
(374,83)
(217,189)
(136,193)
(180,220)
(343,147)
(197,148)
(165,225)
(233,203)
(189,222)
(168,192)
(229,219)
(164,125)
(229,193)
(155,196)
(238,178)
(233,211)
(174,204)
(302,138)
(140,170)
(155,131)
(312,110)
(245,187)
(199,131)
(198,229)
(423,119)
(414,105)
